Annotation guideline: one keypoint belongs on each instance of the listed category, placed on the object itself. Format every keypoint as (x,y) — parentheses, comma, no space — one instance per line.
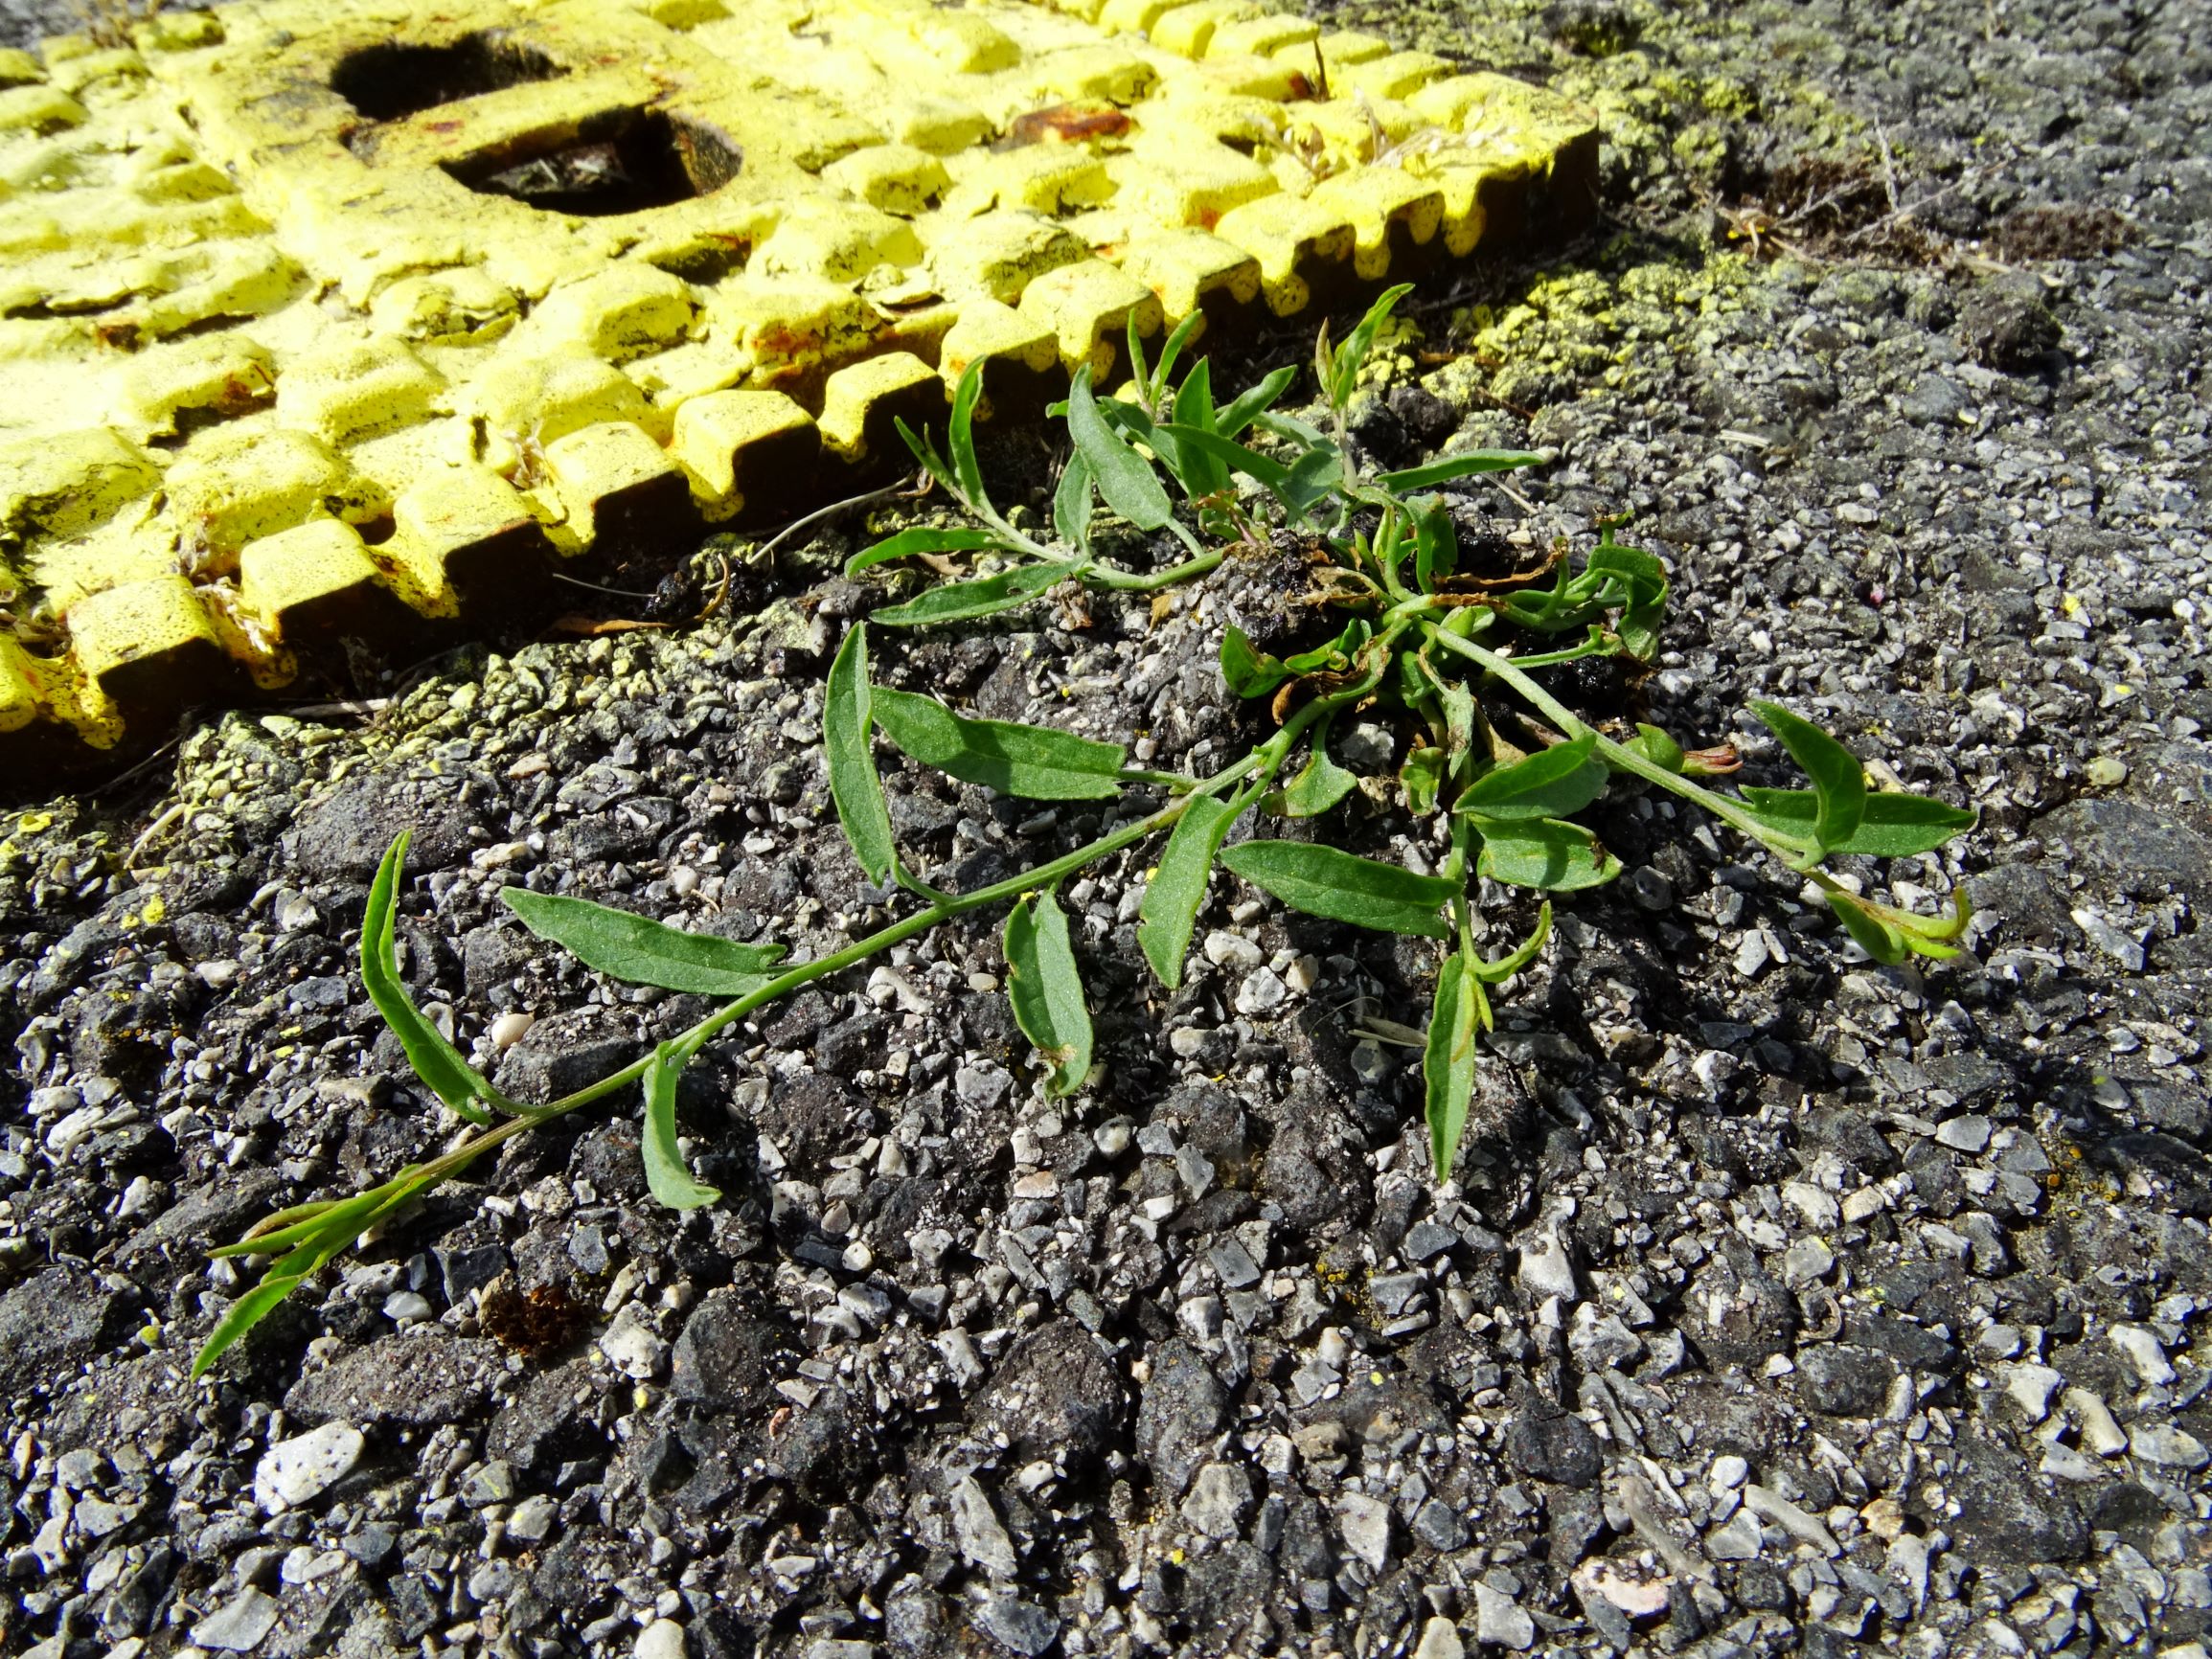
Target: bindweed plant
(1455,656)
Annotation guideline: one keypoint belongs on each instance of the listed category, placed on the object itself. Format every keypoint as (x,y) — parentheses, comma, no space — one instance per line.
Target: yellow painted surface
(453,274)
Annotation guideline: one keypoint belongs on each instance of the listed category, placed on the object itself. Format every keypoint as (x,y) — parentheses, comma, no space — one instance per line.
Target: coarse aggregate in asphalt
(1785,1303)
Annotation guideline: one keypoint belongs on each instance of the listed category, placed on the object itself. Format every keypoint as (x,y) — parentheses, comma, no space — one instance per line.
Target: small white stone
(1969,1134)
(2167,1446)
(1728,1472)
(407,1307)
(632,1346)
(1233,951)
(1639,1598)
(510,1029)
(2145,1357)
(1500,1621)
(2031,1387)
(1866,1202)
(1217,1500)
(1544,1268)
(1261,993)
(299,1471)
(662,1639)
(2101,1435)
(1365,1524)
(1440,1640)
(1819,1208)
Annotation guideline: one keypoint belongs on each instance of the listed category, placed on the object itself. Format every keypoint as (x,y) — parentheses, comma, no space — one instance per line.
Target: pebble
(240,1624)
(662,1639)
(2167,1446)
(976,1528)
(1544,1268)
(1500,1621)
(1440,1640)
(1365,1525)
(2144,1355)
(2031,1387)
(1969,1134)
(1772,1506)
(632,1346)
(299,1471)
(510,1029)
(1261,993)
(1638,1597)
(1233,951)
(1218,1499)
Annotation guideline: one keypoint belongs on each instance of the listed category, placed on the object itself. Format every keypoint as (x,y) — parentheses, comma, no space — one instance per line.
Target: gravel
(1782,1302)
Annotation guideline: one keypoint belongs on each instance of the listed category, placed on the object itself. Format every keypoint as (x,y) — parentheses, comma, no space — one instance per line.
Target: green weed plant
(1455,657)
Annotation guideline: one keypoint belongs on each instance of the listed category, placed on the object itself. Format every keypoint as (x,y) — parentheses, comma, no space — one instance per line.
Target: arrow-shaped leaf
(642,951)
(1046,990)
(1342,887)
(1549,784)
(848,719)
(1839,780)
(665,1175)
(1170,911)
(1039,762)
(436,1061)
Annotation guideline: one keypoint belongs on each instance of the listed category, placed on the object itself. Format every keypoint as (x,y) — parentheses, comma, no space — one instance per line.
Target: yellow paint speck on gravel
(324,319)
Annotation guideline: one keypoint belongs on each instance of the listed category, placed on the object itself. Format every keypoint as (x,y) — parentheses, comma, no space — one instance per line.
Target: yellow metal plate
(317,314)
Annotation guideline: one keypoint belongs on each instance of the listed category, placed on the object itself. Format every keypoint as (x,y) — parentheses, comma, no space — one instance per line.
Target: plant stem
(1123,581)
(1796,853)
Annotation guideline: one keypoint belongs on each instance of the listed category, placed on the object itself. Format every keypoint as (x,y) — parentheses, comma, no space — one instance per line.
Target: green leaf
(1178,886)
(1171,350)
(1270,473)
(1448,1066)
(1435,542)
(1071,504)
(331,1231)
(1504,968)
(1202,471)
(642,951)
(920,539)
(984,596)
(1322,881)
(847,716)
(1460,466)
(1336,655)
(1893,826)
(1125,482)
(1875,937)
(1646,580)
(926,452)
(1422,777)
(1248,405)
(960,435)
(1839,780)
(1543,854)
(1316,788)
(1247,670)
(1550,784)
(1352,355)
(1046,990)
(1313,477)
(1657,747)
(436,1061)
(665,1174)
(1038,762)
